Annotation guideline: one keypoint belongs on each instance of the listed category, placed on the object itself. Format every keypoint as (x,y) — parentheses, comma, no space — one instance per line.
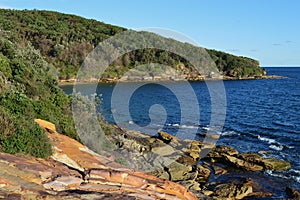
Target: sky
(266,30)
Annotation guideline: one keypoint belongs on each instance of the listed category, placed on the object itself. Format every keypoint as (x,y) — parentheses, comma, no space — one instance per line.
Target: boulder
(203,173)
(219,170)
(226,150)
(219,151)
(232,190)
(292,193)
(46,126)
(175,172)
(167,138)
(251,158)
(275,164)
(242,164)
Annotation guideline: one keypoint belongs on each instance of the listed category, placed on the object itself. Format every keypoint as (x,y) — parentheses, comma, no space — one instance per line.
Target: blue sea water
(260,114)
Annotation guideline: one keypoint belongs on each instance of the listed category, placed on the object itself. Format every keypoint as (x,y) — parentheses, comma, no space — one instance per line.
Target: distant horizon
(252,29)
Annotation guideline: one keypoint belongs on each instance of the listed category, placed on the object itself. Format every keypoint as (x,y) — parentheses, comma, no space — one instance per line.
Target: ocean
(261,115)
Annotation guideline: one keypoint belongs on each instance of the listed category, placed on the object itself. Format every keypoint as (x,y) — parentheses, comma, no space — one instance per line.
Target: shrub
(19,135)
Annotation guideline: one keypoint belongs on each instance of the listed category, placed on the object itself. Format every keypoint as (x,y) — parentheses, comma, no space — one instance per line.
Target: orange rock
(101,169)
(46,126)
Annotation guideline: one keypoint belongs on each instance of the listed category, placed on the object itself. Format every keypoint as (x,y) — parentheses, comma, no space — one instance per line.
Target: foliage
(235,66)
(29,90)
(19,135)
(65,40)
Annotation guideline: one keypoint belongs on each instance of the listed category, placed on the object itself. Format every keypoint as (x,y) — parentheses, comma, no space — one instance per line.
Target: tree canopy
(65,40)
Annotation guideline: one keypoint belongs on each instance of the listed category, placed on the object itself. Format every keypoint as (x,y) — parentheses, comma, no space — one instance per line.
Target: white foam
(269,140)
(276,147)
(295,171)
(295,174)
(130,122)
(206,128)
(188,127)
(296,178)
(271,173)
(290,147)
(229,133)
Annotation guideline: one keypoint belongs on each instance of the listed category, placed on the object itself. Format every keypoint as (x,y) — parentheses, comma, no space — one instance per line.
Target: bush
(28,90)
(22,136)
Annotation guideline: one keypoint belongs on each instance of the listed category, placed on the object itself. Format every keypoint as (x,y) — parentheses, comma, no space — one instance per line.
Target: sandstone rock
(219,170)
(219,151)
(166,137)
(208,192)
(226,150)
(46,126)
(63,183)
(203,173)
(246,161)
(262,152)
(165,150)
(194,150)
(251,158)
(260,195)
(100,169)
(242,164)
(164,156)
(233,191)
(292,193)
(175,172)
(192,185)
(275,164)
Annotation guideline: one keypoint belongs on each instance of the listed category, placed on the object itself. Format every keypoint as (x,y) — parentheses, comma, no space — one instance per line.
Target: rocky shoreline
(171,170)
(223,174)
(200,78)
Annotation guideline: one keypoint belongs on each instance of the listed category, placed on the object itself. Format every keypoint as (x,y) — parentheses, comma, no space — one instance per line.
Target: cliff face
(76,172)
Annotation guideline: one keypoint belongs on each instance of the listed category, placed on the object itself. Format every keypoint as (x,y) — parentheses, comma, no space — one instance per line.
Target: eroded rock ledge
(172,165)
(76,172)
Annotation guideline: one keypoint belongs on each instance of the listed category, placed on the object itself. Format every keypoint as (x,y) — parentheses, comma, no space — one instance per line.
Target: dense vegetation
(39,47)
(28,90)
(65,40)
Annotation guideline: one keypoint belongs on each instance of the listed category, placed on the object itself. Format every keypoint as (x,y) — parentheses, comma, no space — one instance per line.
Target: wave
(289,176)
(189,126)
(276,147)
(184,126)
(269,140)
(229,133)
(206,128)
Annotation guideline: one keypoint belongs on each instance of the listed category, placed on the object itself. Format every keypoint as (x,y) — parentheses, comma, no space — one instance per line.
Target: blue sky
(267,30)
